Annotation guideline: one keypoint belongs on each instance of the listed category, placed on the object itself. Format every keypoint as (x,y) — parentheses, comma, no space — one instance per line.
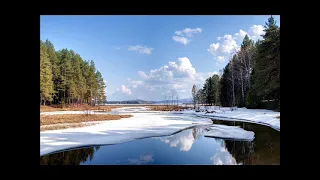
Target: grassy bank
(77,118)
(75,108)
(167,108)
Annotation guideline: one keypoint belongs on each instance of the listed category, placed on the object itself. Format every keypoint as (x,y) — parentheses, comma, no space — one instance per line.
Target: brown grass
(75,108)
(84,107)
(166,108)
(77,118)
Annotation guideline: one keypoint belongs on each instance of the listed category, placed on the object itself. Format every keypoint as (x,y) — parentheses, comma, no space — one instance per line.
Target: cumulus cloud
(141,49)
(185,35)
(182,40)
(125,90)
(188,32)
(229,44)
(223,157)
(240,35)
(256,31)
(221,50)
(173,70)
(156,83)
(183,140)
(142,74)
(135,84)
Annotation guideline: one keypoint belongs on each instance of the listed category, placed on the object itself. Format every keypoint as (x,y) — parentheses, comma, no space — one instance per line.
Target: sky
(144,57)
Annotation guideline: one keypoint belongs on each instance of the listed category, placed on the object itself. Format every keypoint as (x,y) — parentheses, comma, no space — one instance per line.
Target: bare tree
(194,97)
(172,95)
(165,99)
(232,80)
(177,98)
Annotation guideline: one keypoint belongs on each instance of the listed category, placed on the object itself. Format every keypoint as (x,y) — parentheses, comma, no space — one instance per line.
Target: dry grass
(84,107)
(55,127)
(167,108)
(75,108)
(278,117)
(77,118)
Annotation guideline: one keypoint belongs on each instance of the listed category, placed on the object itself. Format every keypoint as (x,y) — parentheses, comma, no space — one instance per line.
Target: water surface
(187,147)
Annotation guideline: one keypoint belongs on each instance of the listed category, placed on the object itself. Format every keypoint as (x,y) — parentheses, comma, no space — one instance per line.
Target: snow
(258,116)
(140,125)
(229,132)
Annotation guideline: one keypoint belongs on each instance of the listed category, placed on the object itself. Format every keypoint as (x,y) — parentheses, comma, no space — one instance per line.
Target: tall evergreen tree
(66,78)
(46,83)
(267,63)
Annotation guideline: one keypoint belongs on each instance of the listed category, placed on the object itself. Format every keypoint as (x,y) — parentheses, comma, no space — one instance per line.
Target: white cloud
(135,84)
(141,49)
(188,31)
(185,34)
(221,50)
(142,74)
(179,75)
(125,90)
(223,157)
(182,40)
(182,69)
(221,59)
(256,31)
(228,44)
(240,35)
(183,140)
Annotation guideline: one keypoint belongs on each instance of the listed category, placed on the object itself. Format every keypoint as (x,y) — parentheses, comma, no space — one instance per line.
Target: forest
(65,78)
(252,76)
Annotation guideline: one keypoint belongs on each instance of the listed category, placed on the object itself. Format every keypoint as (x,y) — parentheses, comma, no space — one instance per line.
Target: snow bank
(141,125)
(258,116)
(229,132)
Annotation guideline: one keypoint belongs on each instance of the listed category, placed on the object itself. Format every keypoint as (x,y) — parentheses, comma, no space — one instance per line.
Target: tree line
(251,77)
(65,78)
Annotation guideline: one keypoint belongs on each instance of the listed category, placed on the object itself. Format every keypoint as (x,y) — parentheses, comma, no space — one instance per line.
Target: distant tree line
(251,77)
(66,78)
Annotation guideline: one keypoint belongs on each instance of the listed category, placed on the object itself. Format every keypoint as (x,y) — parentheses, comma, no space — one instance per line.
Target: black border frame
(30,79)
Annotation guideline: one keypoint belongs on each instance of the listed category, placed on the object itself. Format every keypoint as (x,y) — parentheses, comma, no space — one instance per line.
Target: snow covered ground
(258,116)
(141,125)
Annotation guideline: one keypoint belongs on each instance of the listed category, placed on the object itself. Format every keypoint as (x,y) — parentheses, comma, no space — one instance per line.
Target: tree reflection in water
(72,157)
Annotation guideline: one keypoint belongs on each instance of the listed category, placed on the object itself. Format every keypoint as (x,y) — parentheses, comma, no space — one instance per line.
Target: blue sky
(144,57)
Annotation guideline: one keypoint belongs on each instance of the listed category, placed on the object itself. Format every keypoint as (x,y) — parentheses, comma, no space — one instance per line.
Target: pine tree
(72,79)
(55,72)
(46,83)
(101,95)
(267,63)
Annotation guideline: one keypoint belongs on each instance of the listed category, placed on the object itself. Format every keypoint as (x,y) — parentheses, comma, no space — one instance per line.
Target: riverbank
(64,121)
(140,125)
(259,116)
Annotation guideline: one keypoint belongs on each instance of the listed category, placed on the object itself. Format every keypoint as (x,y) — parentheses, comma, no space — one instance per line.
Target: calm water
(186,147)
